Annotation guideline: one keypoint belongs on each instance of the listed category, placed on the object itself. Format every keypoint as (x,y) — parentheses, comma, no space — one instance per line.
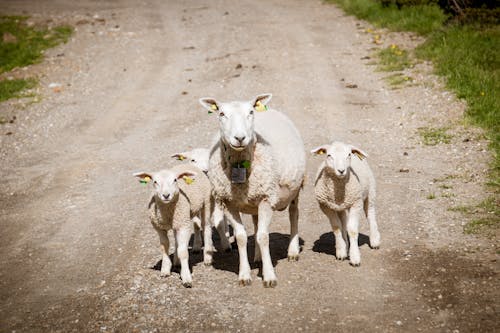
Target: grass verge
(22,45)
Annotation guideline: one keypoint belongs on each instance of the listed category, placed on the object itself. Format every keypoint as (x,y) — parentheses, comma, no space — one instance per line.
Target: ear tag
(188,180)
(361,157)
(259,107)
(238,175)
(321,152)
(214,108)
(144,180)
(180,158)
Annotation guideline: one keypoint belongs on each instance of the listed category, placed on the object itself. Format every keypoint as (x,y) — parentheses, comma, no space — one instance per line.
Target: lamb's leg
(197,243)
(176,256)
(208,249)
(353,231)
(265,215)
(241,239)
(256,255)
(221,225)
(343,219)
(183,235)
(294,247)
(372,221)
(166,264)
(340,244)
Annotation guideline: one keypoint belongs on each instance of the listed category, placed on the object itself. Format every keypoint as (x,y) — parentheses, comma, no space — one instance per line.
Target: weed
(397,80)
(431,196)
(393,59)
(14,88)
(434,136)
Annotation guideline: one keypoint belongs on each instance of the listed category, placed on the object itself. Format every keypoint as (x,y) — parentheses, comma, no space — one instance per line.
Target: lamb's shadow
(326,243)
(278,246)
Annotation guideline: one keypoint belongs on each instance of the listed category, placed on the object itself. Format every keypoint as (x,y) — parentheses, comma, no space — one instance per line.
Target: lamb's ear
(359,153)
(188,177)
(320,150)
(144,177)
(180,156)
(262,100)
(210,104)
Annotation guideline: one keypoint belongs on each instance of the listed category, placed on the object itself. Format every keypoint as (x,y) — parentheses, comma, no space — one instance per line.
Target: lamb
(256,167)
(344,187)
(173,206)
(199,157)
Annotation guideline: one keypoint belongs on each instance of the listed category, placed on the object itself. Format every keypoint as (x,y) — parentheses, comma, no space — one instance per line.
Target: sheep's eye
(193,161)
(251,111)
(155,182)
(175,180)
(221,114)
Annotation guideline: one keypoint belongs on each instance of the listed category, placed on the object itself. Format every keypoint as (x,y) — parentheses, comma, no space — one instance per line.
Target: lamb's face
(164,182)
(236,119)
(165,185)
(199,157)
(236,124)
(338,157)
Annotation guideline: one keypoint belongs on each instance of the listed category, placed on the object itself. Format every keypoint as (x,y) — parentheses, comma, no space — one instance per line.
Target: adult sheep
(256,167)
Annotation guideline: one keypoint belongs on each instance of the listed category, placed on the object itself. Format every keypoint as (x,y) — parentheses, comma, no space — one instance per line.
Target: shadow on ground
(326,243)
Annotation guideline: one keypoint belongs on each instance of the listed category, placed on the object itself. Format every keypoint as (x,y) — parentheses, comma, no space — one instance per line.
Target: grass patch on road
(434,136)
(22,45)
(393,59)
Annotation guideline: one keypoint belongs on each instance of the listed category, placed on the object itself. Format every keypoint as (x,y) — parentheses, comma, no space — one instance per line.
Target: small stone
(399,323)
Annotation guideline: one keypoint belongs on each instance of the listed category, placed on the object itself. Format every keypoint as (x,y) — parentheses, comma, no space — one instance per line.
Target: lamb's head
(236,119)
(164,182)
(338,157)
(199,157)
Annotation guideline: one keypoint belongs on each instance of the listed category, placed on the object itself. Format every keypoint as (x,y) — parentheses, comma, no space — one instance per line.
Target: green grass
(485,217)
(397,80)
(29,42)
(393,59)
(421,19)
(434,136)
(431,196)
(14,88)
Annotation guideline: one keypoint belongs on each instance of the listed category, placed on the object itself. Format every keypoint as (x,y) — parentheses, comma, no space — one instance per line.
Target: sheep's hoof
(245,282)
(164,274)
(355,264)
(341,258)
(187,284)
(270,284)
(375,247)
(294,257)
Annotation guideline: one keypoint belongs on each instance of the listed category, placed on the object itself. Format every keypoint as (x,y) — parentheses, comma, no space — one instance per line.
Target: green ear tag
(144,180)
(245,164)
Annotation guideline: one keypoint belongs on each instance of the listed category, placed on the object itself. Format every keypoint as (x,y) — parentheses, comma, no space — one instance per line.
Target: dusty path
(77,253)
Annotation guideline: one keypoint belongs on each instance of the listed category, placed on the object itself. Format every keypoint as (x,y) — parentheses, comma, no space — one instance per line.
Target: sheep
(199,157)
(344,187)
(256,167)
(173,205)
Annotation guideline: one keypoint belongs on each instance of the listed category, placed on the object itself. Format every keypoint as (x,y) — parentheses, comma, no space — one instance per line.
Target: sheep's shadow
(326,243)
(278,246)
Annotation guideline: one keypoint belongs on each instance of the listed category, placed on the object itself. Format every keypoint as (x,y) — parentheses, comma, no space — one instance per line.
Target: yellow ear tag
(361,157)
(321,152)
(145,180)
(188,180)
(260,107)
(181,158)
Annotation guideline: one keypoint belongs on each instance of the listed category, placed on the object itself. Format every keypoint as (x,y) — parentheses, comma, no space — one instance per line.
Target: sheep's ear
(261,100)
(188,177)
(144,177)
(180,156)
(210,104)
(319,150)
(359,153)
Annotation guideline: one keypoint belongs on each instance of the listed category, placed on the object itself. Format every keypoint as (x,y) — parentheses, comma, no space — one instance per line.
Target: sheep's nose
(341,171)
(240,138)
(166,196)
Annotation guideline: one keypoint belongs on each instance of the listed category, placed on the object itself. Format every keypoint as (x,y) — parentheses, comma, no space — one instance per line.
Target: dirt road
(77,252)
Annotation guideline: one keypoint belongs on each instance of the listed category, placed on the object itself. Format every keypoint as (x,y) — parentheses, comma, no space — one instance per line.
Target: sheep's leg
(343,219)
(265,215)
(353,232)
(340,243)
(197,243)
(171,237)
(294,247)
(221,226)
(183,235)
(256,255)
(208,249)
(241,239)
(176,256)
(372,221)
(166,264)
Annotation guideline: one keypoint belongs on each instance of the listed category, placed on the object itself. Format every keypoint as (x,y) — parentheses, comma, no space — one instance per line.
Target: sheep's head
(338,157)
(199,157)
(164,182)
(236,119)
